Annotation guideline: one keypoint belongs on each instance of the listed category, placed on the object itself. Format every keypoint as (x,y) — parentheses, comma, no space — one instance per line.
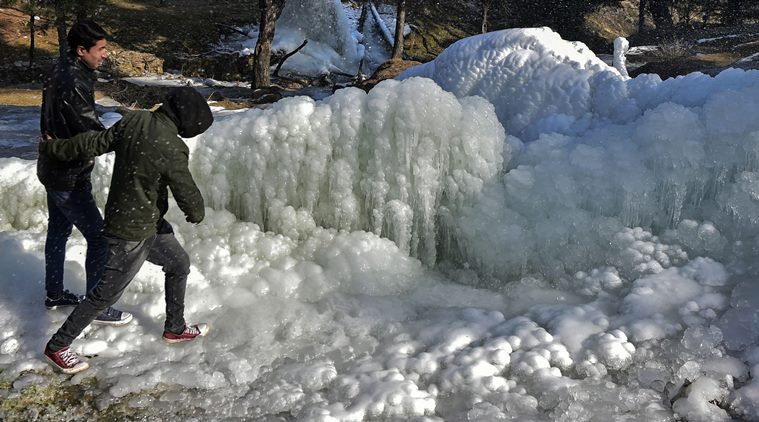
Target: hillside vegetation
(153,36)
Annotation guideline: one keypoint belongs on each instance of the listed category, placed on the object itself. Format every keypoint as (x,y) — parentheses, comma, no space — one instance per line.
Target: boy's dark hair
(84,33)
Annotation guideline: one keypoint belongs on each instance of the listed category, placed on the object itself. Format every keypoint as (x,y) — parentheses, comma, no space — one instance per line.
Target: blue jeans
(67,209)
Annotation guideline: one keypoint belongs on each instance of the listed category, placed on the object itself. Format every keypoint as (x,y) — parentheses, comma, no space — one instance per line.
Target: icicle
(621,46)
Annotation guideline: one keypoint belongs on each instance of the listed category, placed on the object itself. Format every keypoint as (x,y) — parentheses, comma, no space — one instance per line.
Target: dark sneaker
(66,361)
(66,298)
(190,333)
(113,317)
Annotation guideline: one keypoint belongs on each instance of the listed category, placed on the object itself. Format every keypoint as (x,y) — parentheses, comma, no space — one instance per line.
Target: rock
(132,63)
(270,94)
(612,21)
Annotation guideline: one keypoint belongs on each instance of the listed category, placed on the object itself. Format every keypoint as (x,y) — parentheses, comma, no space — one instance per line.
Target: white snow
(706,40)
(570,245)
(179,80)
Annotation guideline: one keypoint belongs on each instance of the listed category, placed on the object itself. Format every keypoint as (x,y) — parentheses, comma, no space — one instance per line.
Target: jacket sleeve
(184,189)
(79,109)
(82,146)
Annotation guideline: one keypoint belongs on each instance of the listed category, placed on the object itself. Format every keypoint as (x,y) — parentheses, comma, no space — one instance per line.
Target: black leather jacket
(68,109)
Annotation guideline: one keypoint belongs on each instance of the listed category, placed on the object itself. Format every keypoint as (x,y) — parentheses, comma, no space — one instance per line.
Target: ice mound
(537,81)
(400,162)
(676,170)
(24,203)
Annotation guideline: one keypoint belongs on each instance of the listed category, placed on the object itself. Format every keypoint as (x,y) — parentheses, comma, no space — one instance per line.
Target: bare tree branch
(286,56)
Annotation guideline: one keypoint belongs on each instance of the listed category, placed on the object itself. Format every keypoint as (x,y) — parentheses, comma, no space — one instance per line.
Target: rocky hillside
(153,36)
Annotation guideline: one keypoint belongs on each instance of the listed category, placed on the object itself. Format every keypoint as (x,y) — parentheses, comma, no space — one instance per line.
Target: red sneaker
(189,333)
(66,361)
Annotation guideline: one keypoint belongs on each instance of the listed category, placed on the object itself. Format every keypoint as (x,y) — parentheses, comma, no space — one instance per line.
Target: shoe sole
(118,323)
(70,371)
(52,308)
(180,340)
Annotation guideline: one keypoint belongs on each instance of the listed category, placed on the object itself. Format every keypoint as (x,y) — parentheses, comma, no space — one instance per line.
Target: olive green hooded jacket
(150,156)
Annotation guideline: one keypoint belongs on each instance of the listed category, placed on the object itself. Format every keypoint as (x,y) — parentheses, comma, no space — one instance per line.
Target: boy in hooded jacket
(150,159)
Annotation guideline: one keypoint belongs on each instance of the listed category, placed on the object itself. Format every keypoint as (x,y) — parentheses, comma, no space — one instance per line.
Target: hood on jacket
(188,110)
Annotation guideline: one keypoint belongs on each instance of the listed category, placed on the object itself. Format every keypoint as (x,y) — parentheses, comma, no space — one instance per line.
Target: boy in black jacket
(68,109)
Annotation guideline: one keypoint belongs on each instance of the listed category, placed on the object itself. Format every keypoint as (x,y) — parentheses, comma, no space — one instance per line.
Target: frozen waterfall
(401,161)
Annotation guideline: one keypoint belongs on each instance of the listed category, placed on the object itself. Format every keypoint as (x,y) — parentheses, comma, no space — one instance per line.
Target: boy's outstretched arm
(83,146)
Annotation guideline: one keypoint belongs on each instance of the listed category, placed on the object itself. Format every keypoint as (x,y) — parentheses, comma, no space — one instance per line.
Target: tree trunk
(688,12)
(642,15)
(400,23)
(362,18)
(706,13)
(32,30)
(60,26)
(485,8)
(733,12)
(661,13)
(81,13)
(270,10)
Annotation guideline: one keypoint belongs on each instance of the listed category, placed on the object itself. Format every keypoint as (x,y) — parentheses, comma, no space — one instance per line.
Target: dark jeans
(66,210)
(124,260)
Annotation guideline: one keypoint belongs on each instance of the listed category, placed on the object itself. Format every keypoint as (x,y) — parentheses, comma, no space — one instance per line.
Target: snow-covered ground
(19,129)
(170,79)
(568,245)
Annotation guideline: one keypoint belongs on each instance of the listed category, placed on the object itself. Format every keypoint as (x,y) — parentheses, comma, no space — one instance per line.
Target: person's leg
(68,209)
(90,223)
(169,254)
(124,260)
(58,232)
(78,208)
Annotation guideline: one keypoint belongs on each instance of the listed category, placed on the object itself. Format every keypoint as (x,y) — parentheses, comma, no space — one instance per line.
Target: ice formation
(633,152)
(332,45)
(598,271)
(621,47)
(401,162)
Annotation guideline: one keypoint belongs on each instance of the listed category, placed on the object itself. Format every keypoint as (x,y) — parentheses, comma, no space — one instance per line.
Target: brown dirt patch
(719,59)
(144,35)
(21,97)
(15,35)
